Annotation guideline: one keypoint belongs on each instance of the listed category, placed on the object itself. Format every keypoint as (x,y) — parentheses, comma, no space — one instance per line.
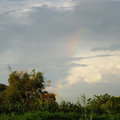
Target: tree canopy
(25,89)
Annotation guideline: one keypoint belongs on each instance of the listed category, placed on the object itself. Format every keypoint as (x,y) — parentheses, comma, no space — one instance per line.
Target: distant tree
(2,87)
(112,106)
(70,107)
(84,101)
(2,96)
(99,104)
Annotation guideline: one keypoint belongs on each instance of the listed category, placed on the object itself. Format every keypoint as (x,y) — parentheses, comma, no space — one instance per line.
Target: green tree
(2,87)
(104,104)
(84,101)
(23,89)
(2,96)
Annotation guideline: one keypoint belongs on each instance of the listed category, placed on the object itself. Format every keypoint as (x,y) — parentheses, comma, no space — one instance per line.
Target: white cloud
(98,65)
(19,11)
(21,8)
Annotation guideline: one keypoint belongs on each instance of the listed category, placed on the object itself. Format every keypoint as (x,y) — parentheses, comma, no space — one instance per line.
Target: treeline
(25,98)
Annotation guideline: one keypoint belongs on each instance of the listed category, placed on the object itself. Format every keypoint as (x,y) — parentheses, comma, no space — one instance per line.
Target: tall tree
(24,88)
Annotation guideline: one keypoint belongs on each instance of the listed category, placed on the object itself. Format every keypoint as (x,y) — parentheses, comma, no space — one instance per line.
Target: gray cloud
(111,48)
(39,35)
(94,89)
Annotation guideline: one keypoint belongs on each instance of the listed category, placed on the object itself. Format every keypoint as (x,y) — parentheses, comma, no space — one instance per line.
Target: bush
(40,116)
(55,116)
(107,117)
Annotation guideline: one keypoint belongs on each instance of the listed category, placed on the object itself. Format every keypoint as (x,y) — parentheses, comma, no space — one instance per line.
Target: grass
(54,116)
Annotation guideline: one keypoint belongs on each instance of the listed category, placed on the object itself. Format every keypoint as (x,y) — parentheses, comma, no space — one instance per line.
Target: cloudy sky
(76,43)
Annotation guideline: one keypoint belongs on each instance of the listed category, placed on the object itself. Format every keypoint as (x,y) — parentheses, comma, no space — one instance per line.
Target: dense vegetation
(25,98)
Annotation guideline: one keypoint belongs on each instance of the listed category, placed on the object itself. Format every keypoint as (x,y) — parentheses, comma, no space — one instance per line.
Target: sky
(75,43)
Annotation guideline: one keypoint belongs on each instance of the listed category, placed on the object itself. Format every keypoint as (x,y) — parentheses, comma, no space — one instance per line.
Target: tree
(26,92)
(23,90)
(2,96)
(99,104)
(2,87)
(84,101)
(24,85)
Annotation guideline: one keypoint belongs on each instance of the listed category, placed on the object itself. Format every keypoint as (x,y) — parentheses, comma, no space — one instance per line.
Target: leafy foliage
(23,91)
(25,98)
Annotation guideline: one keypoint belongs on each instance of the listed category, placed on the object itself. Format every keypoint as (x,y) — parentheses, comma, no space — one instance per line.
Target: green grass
(54,116)
(40,116)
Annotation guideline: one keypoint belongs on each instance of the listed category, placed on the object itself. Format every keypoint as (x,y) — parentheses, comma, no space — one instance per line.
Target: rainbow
(73,44)
(72,49)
